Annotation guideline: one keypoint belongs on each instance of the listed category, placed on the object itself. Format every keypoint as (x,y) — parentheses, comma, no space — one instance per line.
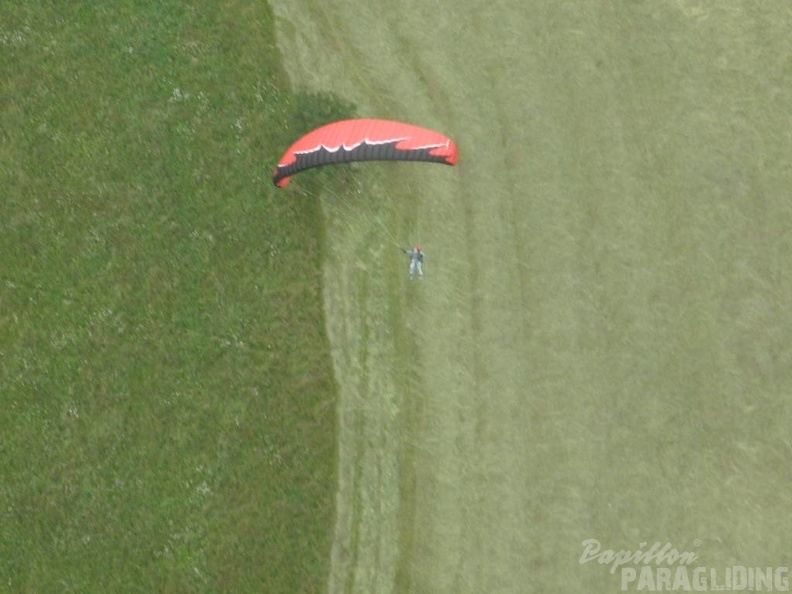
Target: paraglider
(416,261)
(364,140)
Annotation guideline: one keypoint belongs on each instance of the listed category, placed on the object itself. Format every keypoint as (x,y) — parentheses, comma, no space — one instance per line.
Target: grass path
(603,333)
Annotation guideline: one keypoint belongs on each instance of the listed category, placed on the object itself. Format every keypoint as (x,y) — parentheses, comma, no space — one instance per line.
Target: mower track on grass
(600,349)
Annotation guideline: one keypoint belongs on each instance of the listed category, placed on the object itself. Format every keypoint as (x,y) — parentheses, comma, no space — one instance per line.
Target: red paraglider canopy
(364,140)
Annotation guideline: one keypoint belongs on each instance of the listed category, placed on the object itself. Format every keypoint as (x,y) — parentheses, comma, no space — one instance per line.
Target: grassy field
(168,402)
(601,348)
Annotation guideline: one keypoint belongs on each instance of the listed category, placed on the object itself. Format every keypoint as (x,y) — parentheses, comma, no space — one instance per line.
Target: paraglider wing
(364,140)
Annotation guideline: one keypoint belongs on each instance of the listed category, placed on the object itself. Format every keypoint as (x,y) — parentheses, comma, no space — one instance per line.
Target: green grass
(601,346)
(169,420)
